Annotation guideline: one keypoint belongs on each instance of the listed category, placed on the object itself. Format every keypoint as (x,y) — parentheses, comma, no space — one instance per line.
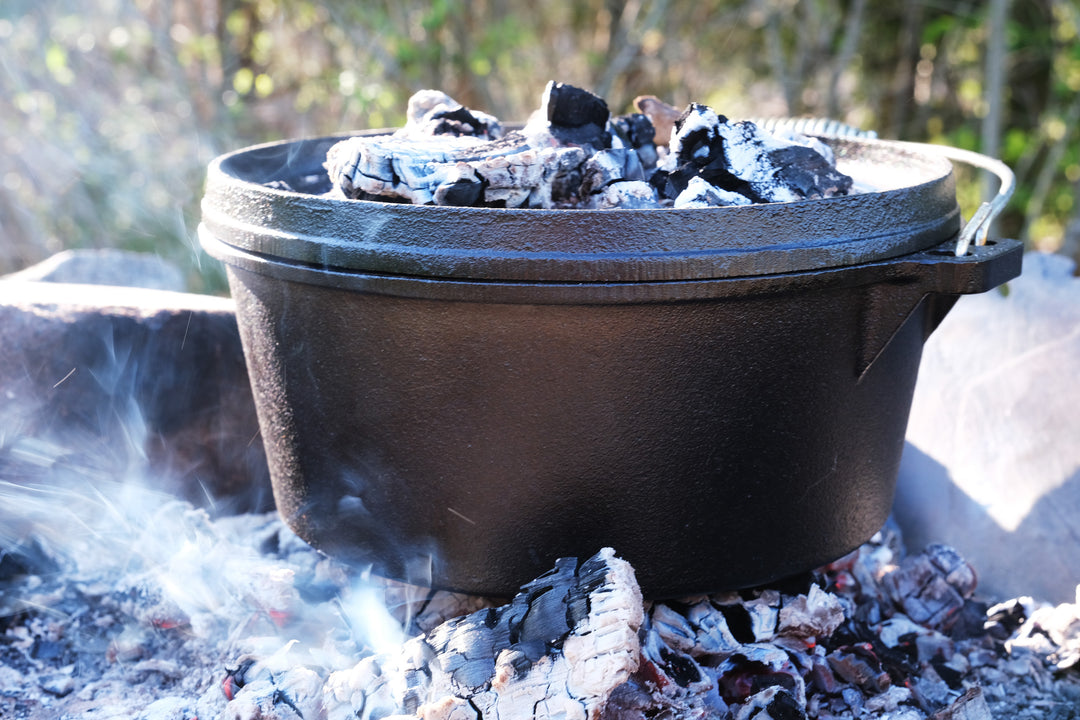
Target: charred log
(557,650)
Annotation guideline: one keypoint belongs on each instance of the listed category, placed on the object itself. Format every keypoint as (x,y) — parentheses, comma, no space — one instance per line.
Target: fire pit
(117,600)
(178,617)
(459,395)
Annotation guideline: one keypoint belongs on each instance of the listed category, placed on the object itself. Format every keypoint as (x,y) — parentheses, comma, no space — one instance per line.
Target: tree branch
(852,31)
(776,59)
(995,86)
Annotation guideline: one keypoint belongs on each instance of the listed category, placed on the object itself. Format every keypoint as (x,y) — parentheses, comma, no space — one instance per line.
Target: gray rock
(102,382)
(105,267)
(992,465)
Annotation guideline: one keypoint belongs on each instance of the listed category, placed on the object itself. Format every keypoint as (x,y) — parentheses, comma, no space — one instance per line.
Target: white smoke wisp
(371,620)
(143,581)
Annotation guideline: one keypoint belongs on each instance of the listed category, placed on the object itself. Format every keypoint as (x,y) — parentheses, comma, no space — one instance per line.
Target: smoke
(242,583)
(93,505)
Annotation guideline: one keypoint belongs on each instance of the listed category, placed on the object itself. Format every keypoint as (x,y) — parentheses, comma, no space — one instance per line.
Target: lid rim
(575,245)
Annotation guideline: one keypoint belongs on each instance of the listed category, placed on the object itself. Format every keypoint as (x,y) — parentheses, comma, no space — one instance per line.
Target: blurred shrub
(116,106)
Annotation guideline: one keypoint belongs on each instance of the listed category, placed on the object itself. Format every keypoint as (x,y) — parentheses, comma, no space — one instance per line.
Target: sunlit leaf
(56,61)
(243,81)
(264,85)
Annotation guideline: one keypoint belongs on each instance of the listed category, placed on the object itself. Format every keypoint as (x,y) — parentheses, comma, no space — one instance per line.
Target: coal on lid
(572,153)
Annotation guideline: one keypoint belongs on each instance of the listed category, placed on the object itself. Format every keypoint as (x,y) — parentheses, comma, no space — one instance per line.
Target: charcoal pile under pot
(173,615)
(476,349)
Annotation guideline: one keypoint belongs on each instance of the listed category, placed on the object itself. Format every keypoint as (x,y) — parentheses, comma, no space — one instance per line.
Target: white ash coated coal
(573,153)
(129,604)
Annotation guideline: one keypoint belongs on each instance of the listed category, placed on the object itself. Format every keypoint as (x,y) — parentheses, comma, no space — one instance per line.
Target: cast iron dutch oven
(458,396)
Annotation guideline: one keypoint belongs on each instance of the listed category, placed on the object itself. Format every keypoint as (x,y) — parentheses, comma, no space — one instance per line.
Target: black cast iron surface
(718,434)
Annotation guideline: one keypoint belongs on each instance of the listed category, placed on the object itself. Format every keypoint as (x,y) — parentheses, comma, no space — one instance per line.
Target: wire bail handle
(978,226)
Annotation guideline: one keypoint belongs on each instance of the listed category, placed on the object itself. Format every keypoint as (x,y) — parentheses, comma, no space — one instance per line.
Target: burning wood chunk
(673,673)
(661,115)
(900,630)
(969,706)
(700,631)
(628,194)
(740,157)
(701,193)
(668,682)
(776,170)
(821,676)
(696,150)
(557,650)
(608,166)
(432,112)
(930,690)
(635,130)
(453,171)
(58,684)
(528,178)
(888,701)
(957,572)
(575,116)
(774,703)
(615,178)
(816,614)
(1003,619)
(361,167)
(931,587)
(757,667)
(761,612)
(858,665)
(273,689)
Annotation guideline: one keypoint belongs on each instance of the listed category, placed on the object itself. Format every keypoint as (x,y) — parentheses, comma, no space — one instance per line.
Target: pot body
(459,396)
(717,433)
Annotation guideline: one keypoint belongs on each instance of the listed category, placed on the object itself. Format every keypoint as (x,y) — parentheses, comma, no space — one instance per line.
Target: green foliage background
(110,110)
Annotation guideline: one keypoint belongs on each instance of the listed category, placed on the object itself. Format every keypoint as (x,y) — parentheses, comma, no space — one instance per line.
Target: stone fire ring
(99,378)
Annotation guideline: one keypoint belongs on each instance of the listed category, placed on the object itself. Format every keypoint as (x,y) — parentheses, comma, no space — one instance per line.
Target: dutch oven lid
(906,202)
